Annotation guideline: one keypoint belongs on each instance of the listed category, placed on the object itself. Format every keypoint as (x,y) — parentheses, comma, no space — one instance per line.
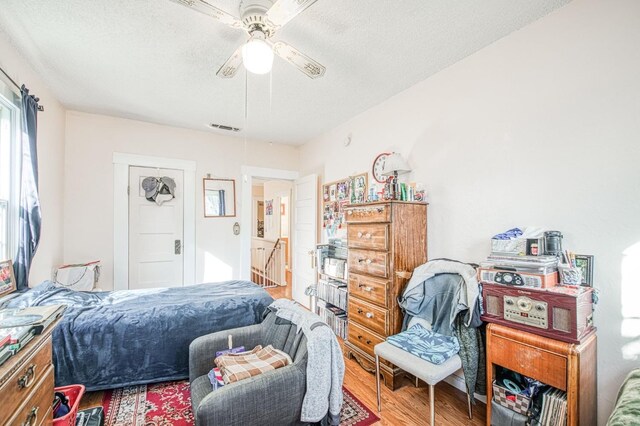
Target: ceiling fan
(261,19)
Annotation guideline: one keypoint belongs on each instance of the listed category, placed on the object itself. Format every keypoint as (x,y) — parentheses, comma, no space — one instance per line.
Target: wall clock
(378,165)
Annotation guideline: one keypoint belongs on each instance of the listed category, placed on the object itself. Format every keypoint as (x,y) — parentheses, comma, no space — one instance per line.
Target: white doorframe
(121,163)
(248,173)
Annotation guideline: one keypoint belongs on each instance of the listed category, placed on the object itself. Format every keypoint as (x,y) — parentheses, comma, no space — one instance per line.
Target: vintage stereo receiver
(549,313)
(518,278)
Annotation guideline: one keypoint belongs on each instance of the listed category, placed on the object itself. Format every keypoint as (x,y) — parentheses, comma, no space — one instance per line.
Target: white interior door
(305,219)
(155,233)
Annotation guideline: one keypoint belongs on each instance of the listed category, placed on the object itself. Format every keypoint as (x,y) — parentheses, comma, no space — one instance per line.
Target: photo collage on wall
(335,196)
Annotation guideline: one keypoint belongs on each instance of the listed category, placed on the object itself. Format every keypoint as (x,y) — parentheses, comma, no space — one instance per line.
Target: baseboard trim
(458,383)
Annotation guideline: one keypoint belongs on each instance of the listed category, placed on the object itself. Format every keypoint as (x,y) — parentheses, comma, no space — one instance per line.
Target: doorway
(303,226)
(270,227)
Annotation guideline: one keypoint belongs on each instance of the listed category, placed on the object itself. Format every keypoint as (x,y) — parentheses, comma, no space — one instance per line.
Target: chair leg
(378,380)
(469,406)
(432,404)
(417,382)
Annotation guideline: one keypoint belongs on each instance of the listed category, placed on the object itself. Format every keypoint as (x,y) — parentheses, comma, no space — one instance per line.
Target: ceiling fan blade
(299,60)
(230,68)
(212,11)
(285,10)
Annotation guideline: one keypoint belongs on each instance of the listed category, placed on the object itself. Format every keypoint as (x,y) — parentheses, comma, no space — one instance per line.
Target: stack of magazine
(18,327)
(554,409)
(13,339)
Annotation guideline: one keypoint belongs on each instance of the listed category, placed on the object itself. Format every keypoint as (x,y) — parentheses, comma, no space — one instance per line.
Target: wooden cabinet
(386,241)
(566,366)
(26,384)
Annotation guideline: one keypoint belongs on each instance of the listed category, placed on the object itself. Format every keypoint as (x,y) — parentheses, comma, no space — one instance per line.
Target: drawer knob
(368,342)
(360,311)
(369,315)
(32,417)
(349,212)
(26,379)
(359,234)
(362,260)
(359,337)
(367,235)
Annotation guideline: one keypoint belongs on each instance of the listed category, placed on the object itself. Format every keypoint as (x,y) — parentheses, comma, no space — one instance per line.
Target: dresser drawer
(23,380)
(369,262)
(548,367)
(370,213)
(363,338)
(370,289)
(375,319)
(372,236)
(37,406)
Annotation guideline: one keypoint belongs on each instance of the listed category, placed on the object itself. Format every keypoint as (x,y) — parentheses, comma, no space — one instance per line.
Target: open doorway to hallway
(270,232)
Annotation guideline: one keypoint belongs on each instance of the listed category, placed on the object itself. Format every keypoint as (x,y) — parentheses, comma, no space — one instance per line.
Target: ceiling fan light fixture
(257,55)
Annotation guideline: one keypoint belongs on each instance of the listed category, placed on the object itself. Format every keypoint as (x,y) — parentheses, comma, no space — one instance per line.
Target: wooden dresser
(26,384)
(386,241)
(566,366)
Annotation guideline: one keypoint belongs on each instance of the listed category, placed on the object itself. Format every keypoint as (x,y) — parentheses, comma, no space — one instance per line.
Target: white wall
(51,127)
(90,143)
(541,128)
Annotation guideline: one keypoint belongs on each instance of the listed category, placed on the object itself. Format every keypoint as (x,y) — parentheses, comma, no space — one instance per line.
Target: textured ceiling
(155,60)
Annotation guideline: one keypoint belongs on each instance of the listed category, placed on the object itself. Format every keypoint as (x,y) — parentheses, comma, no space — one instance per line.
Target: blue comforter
(120,338)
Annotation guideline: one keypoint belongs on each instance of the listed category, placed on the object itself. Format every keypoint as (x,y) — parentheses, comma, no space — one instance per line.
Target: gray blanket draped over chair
(441,301)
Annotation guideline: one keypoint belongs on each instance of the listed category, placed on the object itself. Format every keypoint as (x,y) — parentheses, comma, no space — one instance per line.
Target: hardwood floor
(407,406)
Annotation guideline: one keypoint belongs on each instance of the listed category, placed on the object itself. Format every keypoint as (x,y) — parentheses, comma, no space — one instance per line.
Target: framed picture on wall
(7,279)
(359,187)
(585,262)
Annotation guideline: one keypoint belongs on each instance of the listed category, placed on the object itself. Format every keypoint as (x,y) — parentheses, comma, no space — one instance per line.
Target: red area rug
(169,404)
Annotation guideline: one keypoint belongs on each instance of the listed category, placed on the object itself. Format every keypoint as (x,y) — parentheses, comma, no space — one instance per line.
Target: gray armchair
(272,398)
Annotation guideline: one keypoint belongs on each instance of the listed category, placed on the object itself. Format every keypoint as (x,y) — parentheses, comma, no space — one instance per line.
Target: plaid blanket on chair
(240,366)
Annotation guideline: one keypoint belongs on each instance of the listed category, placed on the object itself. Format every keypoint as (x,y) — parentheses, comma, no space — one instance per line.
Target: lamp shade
(393,164)
(257,55)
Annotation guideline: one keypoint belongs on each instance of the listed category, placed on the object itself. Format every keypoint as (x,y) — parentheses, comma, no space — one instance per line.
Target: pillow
(426,344)
(79,277)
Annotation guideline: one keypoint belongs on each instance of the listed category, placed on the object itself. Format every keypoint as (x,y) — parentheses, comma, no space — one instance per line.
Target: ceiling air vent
(223,127)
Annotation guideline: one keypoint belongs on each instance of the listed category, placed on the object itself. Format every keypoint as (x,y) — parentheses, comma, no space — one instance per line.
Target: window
(9,171)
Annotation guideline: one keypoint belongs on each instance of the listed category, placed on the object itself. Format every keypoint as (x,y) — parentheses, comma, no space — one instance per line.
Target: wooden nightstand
(26,384)
(566,366)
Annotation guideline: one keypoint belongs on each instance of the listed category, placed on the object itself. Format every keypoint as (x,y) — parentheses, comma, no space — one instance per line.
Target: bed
(120,338)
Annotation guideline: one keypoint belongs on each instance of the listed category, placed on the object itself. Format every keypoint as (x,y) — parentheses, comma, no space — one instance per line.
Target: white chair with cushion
(424,370)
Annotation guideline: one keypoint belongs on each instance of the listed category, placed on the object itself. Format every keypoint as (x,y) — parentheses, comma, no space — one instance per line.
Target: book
(15,347)
(48,313)
(14,334)
(230,351)
(5,354)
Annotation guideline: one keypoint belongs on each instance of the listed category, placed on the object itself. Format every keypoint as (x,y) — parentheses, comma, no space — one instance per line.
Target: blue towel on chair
(426,344)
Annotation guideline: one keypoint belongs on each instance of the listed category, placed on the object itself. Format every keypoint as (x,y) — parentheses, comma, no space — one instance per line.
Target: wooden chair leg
(378,380)
(469,406)
(432,404)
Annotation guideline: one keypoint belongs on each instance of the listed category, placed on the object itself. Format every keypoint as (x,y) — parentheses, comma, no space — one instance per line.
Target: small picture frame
(7,279)
(585,263)
(359,188)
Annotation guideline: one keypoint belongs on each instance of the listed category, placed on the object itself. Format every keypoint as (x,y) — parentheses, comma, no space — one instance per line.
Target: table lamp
(394,165)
